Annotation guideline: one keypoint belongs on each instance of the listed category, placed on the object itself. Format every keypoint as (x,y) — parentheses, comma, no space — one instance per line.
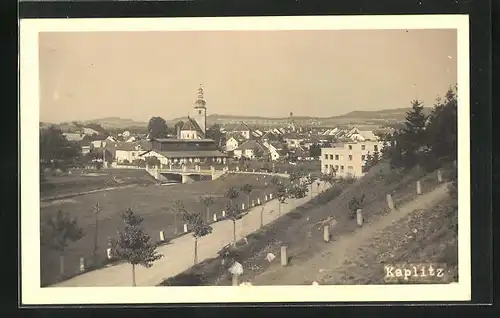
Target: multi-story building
(348,159)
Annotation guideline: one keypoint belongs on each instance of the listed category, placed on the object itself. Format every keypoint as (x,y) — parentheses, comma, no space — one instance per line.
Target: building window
(326,156)
(326,167)
(375,147)
(336,157)
(362,157)
(331,166)
(350,147)
(341,157)
(350,157)
(363,147)
(336,167)
(331,157)
(349,168)
(341,168)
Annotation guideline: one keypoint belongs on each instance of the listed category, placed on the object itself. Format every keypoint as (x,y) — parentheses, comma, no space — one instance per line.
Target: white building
(348,159)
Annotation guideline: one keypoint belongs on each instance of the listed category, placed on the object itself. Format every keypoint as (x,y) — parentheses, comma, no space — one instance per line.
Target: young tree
(234,213)
(157,127)
(231,194)
(354,204)
(178,209)
(328,177)
(208,201)
(281,193)
(247,189)
(200,229)
(134,245)
(57,232)
(310,181)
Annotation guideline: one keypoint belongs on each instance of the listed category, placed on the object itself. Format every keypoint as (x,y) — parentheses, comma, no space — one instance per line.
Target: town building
(348,159)
(233,141)
(179,151)
(250,149)
(244,130)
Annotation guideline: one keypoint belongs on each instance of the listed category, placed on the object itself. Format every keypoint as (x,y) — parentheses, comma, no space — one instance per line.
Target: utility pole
(97,210)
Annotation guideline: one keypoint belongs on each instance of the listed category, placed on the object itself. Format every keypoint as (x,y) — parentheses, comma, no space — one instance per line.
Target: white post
(326,233)
(284,259)
(258,201)
(359,217)
(390,202)
(82,264)
(243,206)
(162,236)
(439,176)
(223,214)
(215,217)
(419,188)
(266,198)
(185,228)
(108,252)
(270,196)
(235,280)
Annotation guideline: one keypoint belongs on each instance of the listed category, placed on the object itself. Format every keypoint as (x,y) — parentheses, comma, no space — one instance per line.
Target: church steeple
(200,102)
(200,110)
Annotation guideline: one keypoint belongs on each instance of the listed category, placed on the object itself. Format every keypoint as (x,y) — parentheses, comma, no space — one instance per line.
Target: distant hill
(378,117)
(115,122)
(359,118)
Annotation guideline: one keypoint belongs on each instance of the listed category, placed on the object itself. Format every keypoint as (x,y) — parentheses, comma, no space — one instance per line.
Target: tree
(57,232)
(208,201)
(328,177)
(441,131)
(247,189)
(281,194)
(157,127)
(231,194)
(234,213)
(134,245)
(152,161)
(310,181)
(355,204)
(178,209)
(215,134)
(55,149)
(412,136)
(199,227)
(258,152)
(315,150)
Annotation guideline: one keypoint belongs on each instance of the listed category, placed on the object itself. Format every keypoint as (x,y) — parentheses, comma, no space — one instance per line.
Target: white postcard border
(33,294)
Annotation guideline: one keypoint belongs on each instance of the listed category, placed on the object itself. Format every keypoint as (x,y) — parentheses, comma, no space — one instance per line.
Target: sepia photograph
(302,158)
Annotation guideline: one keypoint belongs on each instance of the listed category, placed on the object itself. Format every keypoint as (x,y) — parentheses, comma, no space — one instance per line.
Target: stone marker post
(326,233)
(258,201)
(419,188)
(284,259)
(162,236)
(215,217)
(243,206)
(223,214)
(185,228)
(439,176)
(359,217)
(390,203)
(82,264)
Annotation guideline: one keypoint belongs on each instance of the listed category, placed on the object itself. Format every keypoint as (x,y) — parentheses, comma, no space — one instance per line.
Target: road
(179,254)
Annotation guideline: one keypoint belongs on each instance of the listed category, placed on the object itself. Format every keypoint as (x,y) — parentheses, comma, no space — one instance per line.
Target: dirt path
(332,261)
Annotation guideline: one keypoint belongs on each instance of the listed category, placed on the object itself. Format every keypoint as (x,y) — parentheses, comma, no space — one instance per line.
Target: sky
(137,75)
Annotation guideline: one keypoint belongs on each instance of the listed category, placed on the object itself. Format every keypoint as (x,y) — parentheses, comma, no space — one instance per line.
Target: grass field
(301,231)
(82,180)
(152,202)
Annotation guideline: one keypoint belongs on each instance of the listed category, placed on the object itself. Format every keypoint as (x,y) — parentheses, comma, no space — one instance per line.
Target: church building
(191,144)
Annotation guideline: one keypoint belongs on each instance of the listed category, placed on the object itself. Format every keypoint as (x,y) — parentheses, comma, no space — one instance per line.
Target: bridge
(191,174)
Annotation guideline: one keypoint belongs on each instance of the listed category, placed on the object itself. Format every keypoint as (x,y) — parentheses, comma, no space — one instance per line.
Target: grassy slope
(151,202)
(300,231)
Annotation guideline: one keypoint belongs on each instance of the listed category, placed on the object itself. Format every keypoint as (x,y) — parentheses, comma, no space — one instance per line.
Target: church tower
(200,111)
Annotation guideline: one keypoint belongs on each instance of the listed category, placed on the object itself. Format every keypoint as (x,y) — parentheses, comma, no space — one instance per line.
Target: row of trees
(135,246)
